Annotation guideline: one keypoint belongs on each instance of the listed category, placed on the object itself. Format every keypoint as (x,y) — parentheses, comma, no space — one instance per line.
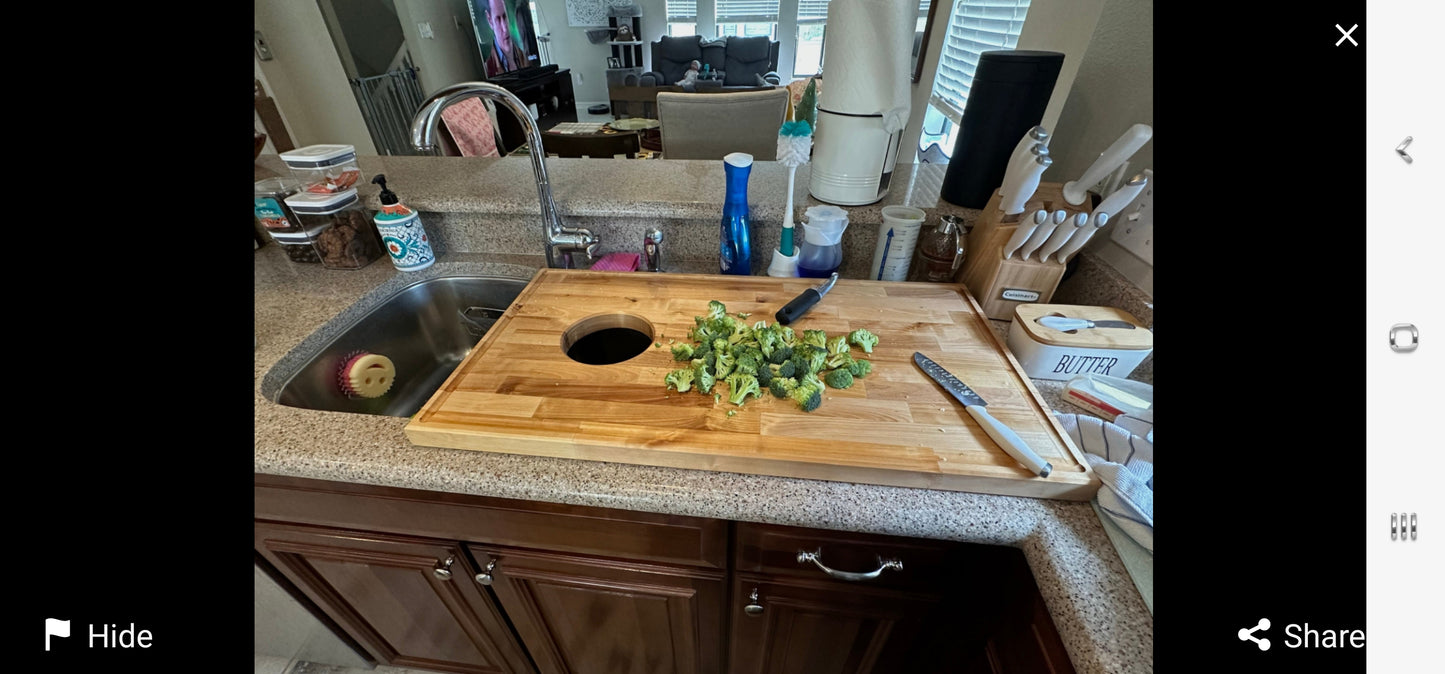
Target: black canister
(1010,90)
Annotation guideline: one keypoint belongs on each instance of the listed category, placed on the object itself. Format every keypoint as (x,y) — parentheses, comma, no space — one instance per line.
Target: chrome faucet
(562,242)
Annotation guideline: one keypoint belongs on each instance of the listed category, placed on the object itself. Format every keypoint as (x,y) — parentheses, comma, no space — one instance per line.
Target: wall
(306,76)
(369,36)
(570,49)
(446,58)
(1113,91)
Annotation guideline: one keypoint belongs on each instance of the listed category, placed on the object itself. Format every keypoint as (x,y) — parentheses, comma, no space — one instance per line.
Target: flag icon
(54,627)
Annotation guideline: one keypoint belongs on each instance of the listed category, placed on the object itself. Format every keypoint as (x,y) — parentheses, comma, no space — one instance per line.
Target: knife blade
(1007,439)
(1042,233)
(1063,234)
(1012,202)
(1021,234)
(800,305)
(1075,191)
(1065,324)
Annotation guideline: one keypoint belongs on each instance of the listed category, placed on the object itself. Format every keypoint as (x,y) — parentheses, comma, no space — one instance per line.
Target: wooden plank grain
(518,392)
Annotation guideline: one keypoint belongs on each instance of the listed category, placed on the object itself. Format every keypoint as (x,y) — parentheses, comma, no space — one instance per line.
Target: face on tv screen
(505,35)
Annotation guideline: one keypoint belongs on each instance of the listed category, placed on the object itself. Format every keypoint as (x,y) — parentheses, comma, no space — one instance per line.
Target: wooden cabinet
(579,615)
(567,589)
(408,602)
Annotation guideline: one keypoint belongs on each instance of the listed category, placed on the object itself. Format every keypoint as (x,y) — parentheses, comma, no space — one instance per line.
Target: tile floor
(267,664)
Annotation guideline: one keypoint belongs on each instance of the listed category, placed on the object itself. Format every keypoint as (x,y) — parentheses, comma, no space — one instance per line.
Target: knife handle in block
(1010,441)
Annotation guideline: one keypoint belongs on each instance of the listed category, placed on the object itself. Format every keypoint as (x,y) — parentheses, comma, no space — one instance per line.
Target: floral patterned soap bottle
(401,232)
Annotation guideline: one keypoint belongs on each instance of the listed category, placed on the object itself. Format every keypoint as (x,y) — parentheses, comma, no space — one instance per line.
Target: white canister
(1046,353)
(897,237)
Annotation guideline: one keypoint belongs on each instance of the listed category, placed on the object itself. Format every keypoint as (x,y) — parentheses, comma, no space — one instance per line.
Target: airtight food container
(324,169)
(1047,353)
(339,228)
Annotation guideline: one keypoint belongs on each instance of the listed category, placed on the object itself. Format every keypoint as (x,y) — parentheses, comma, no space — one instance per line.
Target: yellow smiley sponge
(366,375)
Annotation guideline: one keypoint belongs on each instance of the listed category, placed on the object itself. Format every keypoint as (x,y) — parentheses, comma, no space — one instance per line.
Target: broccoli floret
(720,345)
(716,309)
(764,374)
(782,386)
(781,353)
(839,378)
(702,376)
(810,379)
(785,334)
(732,412)
(760,325)
(767,341)
(681,380)
(837,345)
(838,360)
(682,351)
(787,369)
(860,368)
(724,366)
(747,364)
(702,350)
(701,332)
(807,397)
(817,338)
(816,357)
(863,339)
(716,398)
(740,386)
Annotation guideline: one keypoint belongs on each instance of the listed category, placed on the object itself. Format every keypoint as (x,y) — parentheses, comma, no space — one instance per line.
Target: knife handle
(800,305)
(1010,441)
(1061,235)
(1040,235)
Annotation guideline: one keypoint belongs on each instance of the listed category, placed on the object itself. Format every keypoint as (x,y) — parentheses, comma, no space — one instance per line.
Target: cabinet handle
(485,577)
(444,569)
(753,607)
(816,558)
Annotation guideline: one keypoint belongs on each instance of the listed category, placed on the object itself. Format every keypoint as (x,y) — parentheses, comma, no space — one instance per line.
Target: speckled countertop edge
(1099,614)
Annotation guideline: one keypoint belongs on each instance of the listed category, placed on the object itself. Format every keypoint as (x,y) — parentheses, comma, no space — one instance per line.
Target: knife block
(999,285)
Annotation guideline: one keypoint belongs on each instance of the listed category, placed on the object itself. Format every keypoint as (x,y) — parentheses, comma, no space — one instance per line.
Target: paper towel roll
(867,59)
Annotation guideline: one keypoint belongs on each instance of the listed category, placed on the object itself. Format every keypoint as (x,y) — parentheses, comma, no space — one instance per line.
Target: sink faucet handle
(652,250)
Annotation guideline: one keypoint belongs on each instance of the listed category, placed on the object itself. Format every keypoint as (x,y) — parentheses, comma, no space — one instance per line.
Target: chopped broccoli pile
(758,358)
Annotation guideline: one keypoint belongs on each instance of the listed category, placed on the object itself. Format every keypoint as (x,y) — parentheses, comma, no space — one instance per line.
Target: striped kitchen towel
(1124,462)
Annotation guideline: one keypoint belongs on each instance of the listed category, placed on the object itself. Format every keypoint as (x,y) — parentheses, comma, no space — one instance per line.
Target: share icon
(1247,634)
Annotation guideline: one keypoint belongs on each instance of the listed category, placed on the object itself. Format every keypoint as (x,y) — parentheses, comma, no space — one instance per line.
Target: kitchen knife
(1013,203)
(1014,174)
(1062,234)
(1066,324)
(1075,191)
(1043,232)
(1077,241)
(1120,199)
(800,305)
(1035,136)
(1025,228)
(1006,438)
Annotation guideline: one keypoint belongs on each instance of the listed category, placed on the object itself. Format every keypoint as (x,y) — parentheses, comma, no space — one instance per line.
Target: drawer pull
(816,558)
(443,570)
(485,577)
(753,608)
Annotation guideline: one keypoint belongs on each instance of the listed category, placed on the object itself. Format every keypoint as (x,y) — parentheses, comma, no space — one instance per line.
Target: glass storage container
(324,169)
(344,237)
(271,209)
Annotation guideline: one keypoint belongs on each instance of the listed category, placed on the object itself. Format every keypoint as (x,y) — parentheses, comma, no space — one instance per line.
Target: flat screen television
(505,36)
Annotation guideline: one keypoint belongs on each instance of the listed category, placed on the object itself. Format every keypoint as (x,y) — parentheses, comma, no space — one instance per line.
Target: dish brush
(365,375)
(795,144)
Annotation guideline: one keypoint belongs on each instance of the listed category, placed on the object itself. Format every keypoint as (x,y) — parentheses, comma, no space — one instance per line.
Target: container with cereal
(340,228)
(324,169)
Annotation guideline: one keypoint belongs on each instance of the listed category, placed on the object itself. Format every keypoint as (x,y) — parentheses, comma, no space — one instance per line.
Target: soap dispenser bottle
(736,251)
(401,232)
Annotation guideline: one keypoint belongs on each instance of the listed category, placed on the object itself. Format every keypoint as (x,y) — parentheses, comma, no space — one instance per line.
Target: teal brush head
(798,128)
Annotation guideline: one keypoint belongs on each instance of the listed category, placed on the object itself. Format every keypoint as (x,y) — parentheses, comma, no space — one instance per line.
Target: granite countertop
(675,189)
(1099,613)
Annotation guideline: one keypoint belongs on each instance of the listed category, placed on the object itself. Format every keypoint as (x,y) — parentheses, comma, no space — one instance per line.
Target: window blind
(812,11)
(682,11)
(747,11)
(976,26)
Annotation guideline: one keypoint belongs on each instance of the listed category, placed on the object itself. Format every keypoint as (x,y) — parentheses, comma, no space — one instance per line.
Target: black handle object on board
(800,305)
(1008,96)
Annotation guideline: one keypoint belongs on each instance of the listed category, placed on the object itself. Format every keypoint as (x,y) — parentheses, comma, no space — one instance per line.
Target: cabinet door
(823,628)
(586,615)
(398,597)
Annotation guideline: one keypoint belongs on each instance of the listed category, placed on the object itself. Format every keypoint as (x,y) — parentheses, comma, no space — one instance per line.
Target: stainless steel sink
(426,329)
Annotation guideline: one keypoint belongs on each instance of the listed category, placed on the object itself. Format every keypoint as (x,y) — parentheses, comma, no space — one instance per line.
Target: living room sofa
(744,61)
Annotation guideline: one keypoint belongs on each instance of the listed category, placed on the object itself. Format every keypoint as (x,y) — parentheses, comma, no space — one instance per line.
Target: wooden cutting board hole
(607,338)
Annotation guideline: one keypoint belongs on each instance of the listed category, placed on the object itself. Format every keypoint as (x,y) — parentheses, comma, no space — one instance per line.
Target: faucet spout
(560,240)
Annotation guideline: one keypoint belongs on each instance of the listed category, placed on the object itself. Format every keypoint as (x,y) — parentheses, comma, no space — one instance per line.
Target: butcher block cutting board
(518,392)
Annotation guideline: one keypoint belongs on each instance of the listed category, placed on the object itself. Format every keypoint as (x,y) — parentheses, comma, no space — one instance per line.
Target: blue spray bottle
(736,242)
